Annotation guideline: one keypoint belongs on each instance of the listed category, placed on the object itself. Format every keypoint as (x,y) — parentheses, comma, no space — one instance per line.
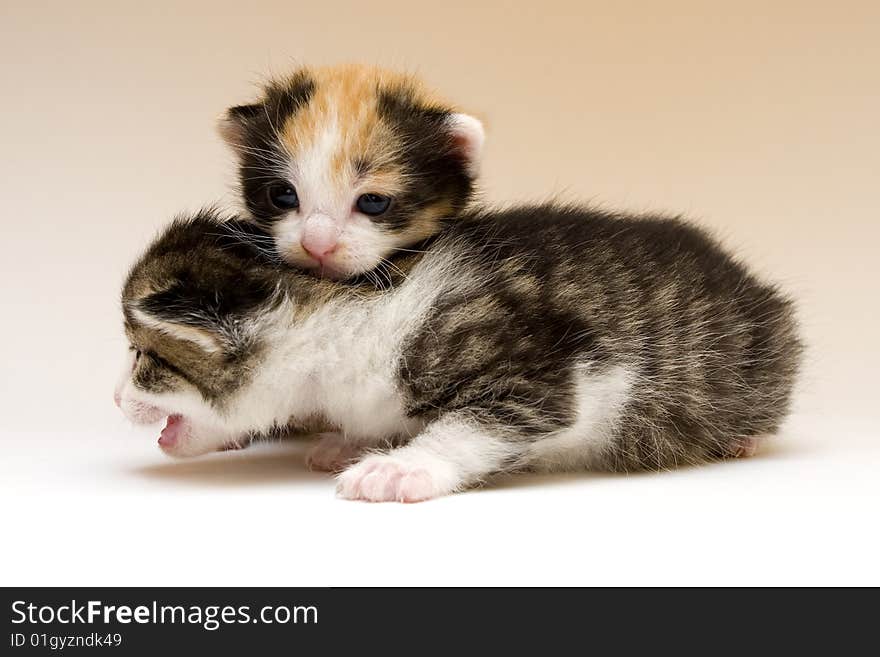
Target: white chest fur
(347,357)
(341,362)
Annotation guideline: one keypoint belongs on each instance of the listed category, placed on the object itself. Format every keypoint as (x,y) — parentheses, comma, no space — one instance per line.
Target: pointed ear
(468,137)
(233,124)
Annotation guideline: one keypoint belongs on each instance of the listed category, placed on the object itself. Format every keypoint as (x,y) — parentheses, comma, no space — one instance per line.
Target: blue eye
(373,204)
(283,196)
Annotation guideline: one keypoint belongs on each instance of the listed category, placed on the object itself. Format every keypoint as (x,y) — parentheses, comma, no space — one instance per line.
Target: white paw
(331,453)
(386,478)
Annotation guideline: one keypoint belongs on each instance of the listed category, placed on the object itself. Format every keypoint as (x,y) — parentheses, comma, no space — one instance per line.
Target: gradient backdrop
(760,120)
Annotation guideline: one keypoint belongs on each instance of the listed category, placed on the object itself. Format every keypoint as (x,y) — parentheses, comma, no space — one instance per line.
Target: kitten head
(192,307)
(346,165)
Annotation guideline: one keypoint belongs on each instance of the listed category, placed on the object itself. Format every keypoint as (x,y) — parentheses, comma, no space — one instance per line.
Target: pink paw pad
(744,447)
(382,479)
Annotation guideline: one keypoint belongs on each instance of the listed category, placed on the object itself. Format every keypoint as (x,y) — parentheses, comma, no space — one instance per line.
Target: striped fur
(613,342)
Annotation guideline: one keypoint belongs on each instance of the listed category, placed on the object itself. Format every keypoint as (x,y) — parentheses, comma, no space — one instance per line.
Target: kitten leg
(451,454)
(332,453)
(745,447)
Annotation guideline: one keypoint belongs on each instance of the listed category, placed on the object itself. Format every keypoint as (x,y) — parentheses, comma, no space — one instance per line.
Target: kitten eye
(283,196)
(373,204)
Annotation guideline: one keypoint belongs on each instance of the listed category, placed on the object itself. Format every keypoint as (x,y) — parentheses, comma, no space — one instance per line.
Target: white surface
(107,508)
(759,119)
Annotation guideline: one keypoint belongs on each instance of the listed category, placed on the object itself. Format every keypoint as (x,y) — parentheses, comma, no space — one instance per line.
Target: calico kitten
(345,165)
(613,342)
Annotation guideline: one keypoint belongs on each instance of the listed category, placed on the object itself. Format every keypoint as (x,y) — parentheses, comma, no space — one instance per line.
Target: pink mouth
(174,429)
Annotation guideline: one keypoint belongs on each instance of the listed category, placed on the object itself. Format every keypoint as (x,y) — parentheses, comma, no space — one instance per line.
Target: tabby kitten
(614,342)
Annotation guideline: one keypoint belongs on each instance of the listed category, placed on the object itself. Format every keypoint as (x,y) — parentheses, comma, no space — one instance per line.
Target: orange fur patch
(345,103)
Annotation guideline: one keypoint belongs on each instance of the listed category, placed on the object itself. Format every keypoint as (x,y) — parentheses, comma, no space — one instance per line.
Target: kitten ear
(187,312)
(206,340)
(468,137)
(233,123)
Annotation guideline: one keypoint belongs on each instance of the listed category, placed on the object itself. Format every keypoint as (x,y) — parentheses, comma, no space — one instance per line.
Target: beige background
(758,119)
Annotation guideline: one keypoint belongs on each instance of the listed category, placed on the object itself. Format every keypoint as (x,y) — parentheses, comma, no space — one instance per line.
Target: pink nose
(320,236)
(318,250)
(117,399)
